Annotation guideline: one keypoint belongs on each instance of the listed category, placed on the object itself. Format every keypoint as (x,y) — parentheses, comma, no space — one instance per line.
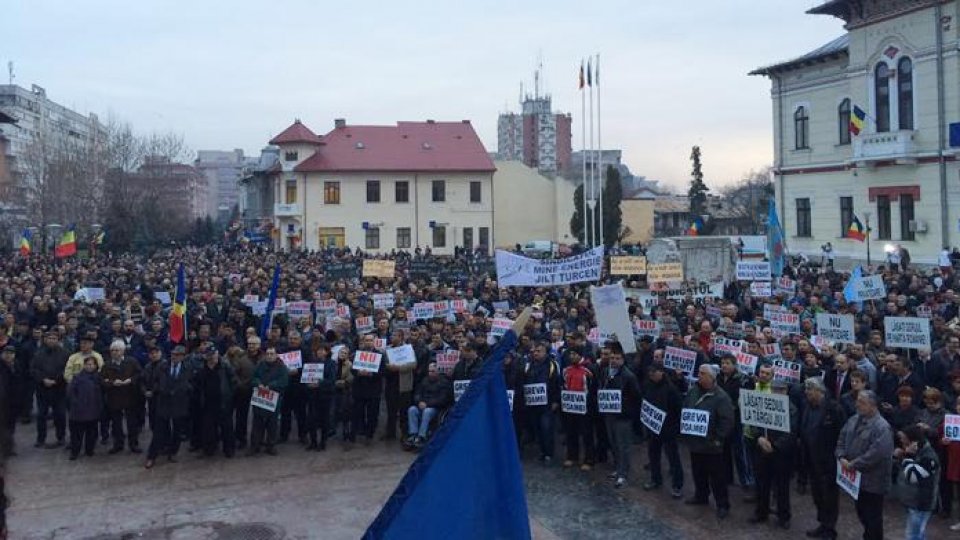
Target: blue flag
(849,291)
(775,244)
(271,302)
(467,482)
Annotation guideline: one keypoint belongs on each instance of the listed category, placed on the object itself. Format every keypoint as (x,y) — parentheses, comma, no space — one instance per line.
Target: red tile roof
(296,133)
(408,146)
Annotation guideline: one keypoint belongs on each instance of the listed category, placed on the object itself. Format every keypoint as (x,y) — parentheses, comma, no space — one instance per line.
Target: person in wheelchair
(433,396)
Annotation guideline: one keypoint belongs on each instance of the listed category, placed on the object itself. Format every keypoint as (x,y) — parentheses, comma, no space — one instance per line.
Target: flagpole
(599,147)
(583,145)
(593,165)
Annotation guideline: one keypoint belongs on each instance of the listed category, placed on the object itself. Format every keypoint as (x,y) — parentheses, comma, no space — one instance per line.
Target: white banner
(763,410)
(609,401)
(849,480)
(265,399)
(383,301)
(680,360)
(367,361)
(652,416)
(649,299)
(610,310)
(573,402)
(518,271)
(694,422)
(907,332)
(837,328)
(753,271)
(402,355)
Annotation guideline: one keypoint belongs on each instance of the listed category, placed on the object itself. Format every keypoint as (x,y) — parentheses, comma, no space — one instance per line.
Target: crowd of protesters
(104,372)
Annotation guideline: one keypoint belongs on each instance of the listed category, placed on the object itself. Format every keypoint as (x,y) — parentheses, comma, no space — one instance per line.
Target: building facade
(898,63)
(530,206)
(177,188)
(380,188)
(537,137)
(222,170)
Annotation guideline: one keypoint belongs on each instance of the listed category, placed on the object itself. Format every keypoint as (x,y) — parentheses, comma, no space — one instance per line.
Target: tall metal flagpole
(593,164)
(602,173)
(583,146)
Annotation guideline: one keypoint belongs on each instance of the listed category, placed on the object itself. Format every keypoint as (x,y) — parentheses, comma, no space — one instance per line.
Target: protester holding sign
(821,420)
(731,380)
(367,390)
(541,394)
(706,453)
(579,382)
(618,399)
(865,445)
(398,386)
(318,395)
(773,466)
(270,374)
(661,393)
(294,398)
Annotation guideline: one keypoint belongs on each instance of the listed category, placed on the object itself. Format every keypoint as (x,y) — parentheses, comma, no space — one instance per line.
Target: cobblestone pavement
(336,494)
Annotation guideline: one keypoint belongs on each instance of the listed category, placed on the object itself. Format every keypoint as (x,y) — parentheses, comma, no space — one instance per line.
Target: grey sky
(232,74)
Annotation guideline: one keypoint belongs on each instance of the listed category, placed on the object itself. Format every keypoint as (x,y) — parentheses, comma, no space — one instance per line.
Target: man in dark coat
(821,420)
(706,452)
(662,394)
(10,389)
(171,386)
(215,384)
(121,382)
(269,375)
(47,367)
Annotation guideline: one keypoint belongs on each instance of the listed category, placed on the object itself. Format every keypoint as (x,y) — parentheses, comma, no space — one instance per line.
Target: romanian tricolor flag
(695,227)
(25,243)
(178,315)
(856,230)
(68,243)
(856,120)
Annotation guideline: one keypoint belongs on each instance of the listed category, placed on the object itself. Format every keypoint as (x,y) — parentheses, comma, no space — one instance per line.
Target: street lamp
(866,217)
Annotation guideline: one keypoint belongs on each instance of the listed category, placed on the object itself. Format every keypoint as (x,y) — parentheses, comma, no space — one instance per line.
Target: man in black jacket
(541,393)
(618,385)
(661,393)
(434,394)
(47,367)
(820,424)
(319,396)
(215,383)
(171,387)
(774,465)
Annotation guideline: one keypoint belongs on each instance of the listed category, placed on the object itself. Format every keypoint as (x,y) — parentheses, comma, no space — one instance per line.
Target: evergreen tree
(698,190)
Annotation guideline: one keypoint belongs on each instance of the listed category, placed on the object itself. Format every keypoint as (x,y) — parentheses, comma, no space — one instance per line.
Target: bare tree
(746,201)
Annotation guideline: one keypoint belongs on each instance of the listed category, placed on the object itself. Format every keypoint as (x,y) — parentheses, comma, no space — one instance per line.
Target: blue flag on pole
(775,243)
(467,482)
(849,291)
(271,302)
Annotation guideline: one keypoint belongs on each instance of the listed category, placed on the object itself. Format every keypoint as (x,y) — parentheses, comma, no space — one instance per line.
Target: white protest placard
(746,363)
(298,310)
(500,306)
(327,307)
(595,336)
(764,410)
(383,301)
(292,359)
(699,294)
(679,359)
(713,311)
(610,311)
(422,311)
(784,285)
(665,273)
(849,480)
(265,399)
(459,305)
(951,427)
(819,343)
(163,297)
(343,311)
(259,308)
(573,402)
(924,311)
(311,373)
(535,395)
(609,401)
(499,327)
(837,328)
(784,324)
(722,345)
(753,271)
(441,309)
(402,355)
(367,361)
(459,387)
(907,332)
(869,288)
(771,310)
(518,271)
(694,422)
(380,343)
(364,325)
(643,327)
(510,398)
(446,361)
(761,289)
(786,371)
(652,416)
(250,299)
(771,352)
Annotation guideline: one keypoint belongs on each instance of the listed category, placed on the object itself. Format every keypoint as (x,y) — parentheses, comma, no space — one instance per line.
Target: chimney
(339,123)
(431,122)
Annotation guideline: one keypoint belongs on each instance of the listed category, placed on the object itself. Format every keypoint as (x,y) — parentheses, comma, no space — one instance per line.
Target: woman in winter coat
(85,395)
(918,482)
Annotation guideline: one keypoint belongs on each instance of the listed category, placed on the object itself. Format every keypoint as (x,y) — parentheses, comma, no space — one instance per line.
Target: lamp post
(866,217)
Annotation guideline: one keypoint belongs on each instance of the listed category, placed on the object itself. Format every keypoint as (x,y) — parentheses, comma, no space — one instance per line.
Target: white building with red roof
(379,188)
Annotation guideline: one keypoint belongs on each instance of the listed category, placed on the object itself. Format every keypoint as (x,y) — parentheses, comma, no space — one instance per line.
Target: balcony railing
(285,210)
(889,145)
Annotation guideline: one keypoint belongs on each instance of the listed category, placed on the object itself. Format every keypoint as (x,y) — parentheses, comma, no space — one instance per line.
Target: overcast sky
(232,74)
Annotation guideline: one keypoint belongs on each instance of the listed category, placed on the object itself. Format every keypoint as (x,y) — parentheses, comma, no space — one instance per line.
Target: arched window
(905,92)
(843,121)
(882,95)
(801,128)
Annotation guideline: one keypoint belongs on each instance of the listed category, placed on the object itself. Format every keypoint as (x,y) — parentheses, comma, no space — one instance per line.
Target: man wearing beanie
(706,453)
(618,378)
